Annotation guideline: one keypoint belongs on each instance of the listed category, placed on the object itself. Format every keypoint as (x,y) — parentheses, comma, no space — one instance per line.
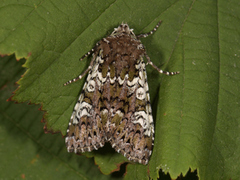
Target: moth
(114,105)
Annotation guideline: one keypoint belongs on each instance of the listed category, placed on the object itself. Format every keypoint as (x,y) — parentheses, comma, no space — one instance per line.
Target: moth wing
(133,129)
(85,131)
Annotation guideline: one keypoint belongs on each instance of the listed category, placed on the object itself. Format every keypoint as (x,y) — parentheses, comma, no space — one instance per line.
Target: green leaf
(137,171)
(196,113)
(26,151)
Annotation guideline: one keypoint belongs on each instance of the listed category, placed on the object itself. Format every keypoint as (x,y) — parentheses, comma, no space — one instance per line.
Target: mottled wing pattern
(126,112)
(134,136)
(114,104)
(85,131)
(130,128)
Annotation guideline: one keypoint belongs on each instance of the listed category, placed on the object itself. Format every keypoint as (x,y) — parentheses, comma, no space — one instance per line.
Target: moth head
(123,29)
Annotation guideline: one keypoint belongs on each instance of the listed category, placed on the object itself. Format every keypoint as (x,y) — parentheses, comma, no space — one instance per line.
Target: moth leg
(80,76)
(151,32)
(159,70)
(89,67)
(89,52)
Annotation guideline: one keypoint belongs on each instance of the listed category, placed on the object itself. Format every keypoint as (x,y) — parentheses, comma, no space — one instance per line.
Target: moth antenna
(151,32)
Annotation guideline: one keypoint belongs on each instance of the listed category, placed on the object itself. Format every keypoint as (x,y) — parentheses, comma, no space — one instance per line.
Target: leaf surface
(196,113)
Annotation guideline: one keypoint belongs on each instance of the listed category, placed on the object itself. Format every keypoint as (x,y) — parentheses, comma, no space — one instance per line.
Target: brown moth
(114,105)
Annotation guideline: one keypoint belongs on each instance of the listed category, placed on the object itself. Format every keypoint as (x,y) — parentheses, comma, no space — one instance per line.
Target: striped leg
(159,70)
(89,67)
(89,52)
(81,75)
